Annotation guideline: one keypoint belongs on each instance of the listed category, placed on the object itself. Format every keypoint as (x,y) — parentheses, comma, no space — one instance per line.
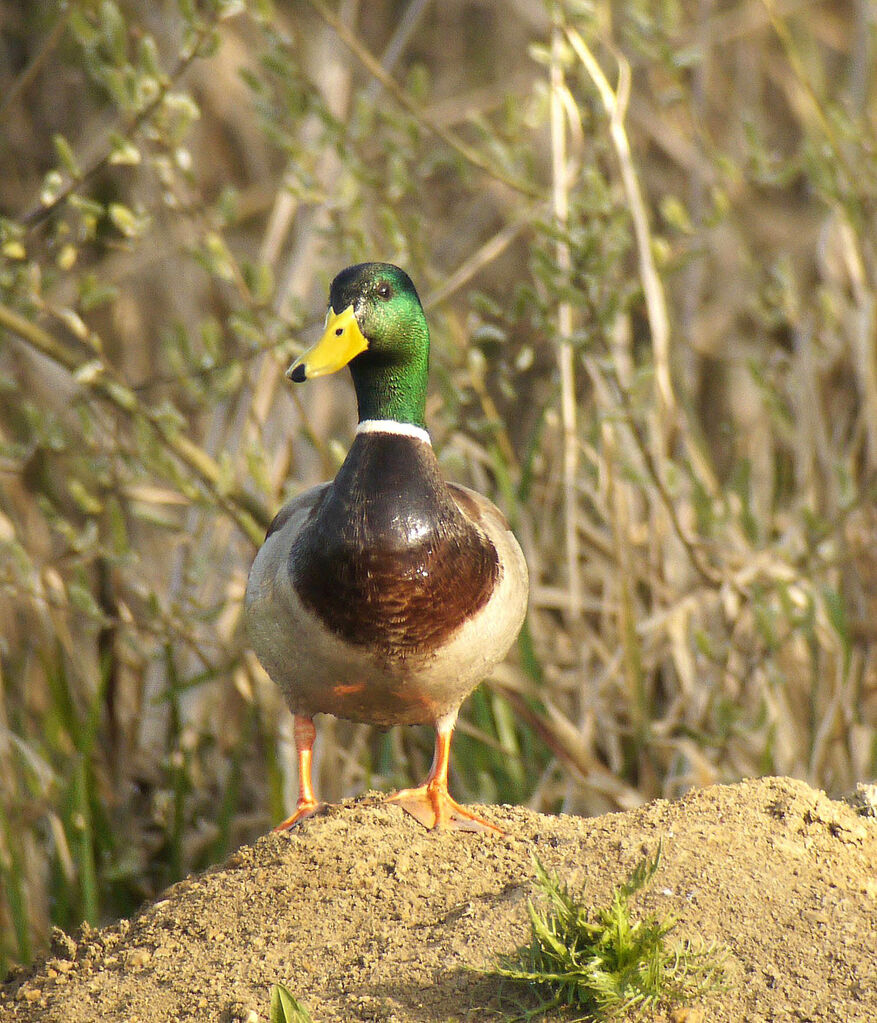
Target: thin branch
(406,26)
(805,81)
(698,562)
(487,253)
(703,568)
(22,83)
(376,70)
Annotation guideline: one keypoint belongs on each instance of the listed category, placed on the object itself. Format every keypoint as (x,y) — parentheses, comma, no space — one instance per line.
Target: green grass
(601,963)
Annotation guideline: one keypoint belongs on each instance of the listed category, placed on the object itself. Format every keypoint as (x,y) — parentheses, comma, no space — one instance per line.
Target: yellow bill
(342,341)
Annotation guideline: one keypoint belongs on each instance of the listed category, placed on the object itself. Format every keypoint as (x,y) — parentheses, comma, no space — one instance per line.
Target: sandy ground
(366,916)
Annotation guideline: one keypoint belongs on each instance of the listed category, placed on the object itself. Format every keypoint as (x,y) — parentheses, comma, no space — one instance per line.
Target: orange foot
(433,807)
(431,803)
(303,810)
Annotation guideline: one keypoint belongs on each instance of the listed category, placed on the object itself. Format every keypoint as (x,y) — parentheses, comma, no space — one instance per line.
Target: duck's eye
(384,290)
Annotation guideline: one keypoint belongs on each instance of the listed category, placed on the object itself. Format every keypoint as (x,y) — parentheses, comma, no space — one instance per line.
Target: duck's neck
(392,390)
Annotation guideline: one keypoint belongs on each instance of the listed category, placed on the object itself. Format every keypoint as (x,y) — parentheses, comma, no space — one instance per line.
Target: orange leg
(431,803)
(305,733)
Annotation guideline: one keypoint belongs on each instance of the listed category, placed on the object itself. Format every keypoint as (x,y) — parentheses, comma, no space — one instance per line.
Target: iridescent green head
(377,327)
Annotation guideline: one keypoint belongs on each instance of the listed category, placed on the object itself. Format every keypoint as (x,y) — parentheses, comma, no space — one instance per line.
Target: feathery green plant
(604,962)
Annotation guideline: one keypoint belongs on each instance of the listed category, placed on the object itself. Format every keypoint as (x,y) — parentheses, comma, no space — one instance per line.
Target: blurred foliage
(644,235)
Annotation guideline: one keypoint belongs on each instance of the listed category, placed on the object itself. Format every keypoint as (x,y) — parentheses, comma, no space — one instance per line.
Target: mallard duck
(386,595)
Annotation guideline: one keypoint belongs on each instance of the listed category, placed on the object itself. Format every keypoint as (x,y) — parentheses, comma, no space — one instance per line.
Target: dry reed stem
(864,341)
(615,104)
(565,351)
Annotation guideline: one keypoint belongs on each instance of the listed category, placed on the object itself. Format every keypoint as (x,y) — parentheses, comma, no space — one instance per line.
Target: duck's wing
(513,588)
(271,565)
(293,515)
(479,510)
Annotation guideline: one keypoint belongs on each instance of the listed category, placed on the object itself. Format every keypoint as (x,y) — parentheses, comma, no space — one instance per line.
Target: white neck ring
(391,426)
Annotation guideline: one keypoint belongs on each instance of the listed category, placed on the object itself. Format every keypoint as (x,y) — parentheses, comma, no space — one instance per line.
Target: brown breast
(387,559)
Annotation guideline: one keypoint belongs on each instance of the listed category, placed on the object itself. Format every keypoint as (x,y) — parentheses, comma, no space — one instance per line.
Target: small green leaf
(127,221)
(230,8)
(123,152)
(837,614)
(148,56)
(90,504)
(285,1008)
(89,372)
(115,32)
(65,154)
(262,11)
(94,292)
(218,257)
(179,112)
(122,395)
(82,599)
(84,31)
(87,207)
(13,249)
(675,214)
(67,256)
(74,323)
(52,185)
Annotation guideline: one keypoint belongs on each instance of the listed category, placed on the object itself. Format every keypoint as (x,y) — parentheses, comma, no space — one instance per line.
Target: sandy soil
(366,916)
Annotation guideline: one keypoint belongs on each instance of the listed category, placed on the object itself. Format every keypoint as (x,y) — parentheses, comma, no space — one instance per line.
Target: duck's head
(376,326)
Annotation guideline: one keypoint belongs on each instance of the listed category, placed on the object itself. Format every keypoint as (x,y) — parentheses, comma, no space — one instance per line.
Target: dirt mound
(366,916)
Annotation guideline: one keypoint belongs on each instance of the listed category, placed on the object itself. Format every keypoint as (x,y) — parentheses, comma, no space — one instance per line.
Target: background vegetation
(644,233)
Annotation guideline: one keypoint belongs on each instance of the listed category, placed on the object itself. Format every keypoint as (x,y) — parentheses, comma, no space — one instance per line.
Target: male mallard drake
(388,594)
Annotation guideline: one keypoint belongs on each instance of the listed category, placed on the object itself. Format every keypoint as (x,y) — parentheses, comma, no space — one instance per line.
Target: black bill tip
(297,374)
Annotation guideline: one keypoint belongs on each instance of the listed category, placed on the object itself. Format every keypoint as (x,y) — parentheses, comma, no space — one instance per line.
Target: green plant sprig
(604,962)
